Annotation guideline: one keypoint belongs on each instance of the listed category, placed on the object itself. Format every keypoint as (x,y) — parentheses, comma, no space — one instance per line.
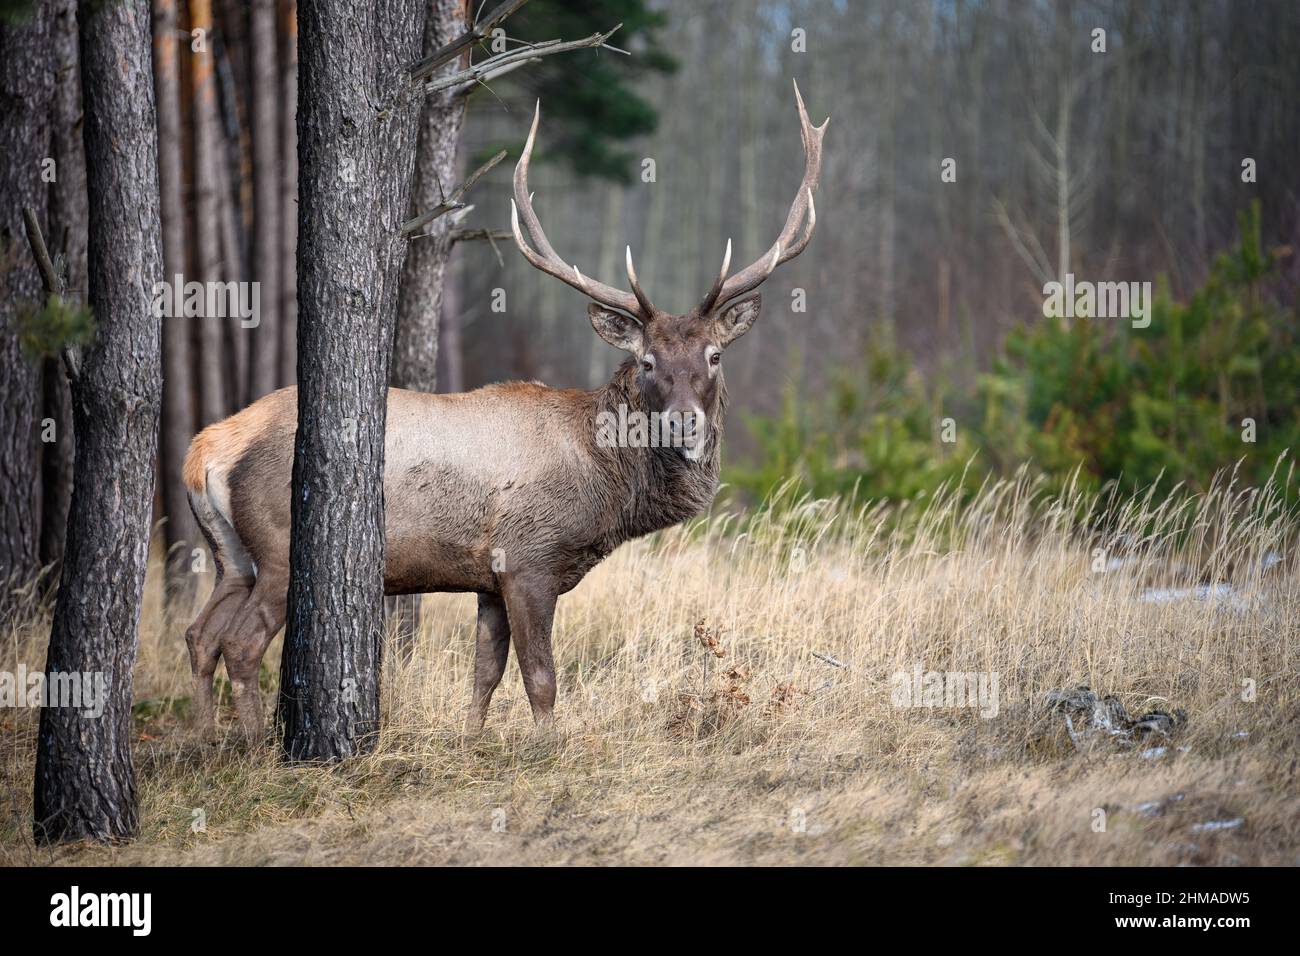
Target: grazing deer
(505,491)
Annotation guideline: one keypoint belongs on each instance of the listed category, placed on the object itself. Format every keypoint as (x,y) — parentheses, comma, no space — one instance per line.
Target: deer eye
(715,358)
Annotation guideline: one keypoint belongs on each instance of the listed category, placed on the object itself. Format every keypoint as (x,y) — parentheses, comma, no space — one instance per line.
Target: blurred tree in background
(1211,381)
(877,430)
(592,105)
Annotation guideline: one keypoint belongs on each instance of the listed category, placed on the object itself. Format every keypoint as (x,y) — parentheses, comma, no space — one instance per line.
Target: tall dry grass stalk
(725,696)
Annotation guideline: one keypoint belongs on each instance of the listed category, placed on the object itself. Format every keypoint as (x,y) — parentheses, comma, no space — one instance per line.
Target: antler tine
(641,297)
(544,256)
(789,243)
(712,297)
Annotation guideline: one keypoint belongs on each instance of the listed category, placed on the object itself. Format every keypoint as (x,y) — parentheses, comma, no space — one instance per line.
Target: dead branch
(491,236)
(425,67)
(52,281)
(451,202)
(49,277)
(493,65)
(1038,266)
(466,88)
(471,235)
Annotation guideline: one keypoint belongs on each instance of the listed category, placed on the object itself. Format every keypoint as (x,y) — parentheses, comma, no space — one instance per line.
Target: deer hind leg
(491,649)
(530,607)
(244,641)
(235,580)
(227,597)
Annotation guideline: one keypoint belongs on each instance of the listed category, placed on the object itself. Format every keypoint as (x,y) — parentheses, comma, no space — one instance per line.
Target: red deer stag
(506,491)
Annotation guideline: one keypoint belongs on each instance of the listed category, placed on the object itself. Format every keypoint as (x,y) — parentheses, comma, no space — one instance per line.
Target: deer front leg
(491,649)
(530,607)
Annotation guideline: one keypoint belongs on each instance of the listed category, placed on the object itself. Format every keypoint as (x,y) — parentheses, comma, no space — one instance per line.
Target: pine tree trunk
(289,194)
(26,94)
(57,458)
(178,423)
(68,239)
(233,242)
(419,304)
(357,124)
(85,782)
(415,352)
(264,361)
(213,378)
(452,350)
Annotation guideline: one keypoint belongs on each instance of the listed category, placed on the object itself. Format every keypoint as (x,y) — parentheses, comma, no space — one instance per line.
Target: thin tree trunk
(357,125)
(85,782)
(419,304)
(178,401)
(598,359)
(26,94)
(451,354)
(213,404)
(227,176)
(264,362)
(289,195)
(57,456)
(415,351)
(68,236)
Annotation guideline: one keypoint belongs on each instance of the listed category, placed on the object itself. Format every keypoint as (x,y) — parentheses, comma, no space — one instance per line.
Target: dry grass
(758,749)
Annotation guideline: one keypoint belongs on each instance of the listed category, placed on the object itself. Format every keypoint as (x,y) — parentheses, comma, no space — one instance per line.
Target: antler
(787,246)
(544,257)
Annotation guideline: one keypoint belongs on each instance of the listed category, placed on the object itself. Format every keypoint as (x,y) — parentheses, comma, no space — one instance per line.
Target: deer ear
(619,330)
(736,320)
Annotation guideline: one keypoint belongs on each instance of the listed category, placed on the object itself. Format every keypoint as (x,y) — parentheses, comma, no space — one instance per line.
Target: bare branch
(492,236)
(468,88)
(493,65)
(1041,271)
(53,283)
(450,51)
(472,235)
(49,277)
(451,202)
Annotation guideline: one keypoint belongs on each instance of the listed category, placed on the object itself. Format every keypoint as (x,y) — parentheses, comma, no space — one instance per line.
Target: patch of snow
(1213,825)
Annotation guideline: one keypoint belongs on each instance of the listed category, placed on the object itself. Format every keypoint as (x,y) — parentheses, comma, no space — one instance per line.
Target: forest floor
(728,695)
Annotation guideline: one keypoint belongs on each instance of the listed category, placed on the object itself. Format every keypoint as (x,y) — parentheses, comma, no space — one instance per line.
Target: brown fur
(226,440)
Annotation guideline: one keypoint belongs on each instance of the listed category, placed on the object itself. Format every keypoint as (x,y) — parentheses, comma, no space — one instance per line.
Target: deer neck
(659,487)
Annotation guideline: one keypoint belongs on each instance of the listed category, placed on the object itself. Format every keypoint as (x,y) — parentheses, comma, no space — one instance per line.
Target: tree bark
(85,782)
(452,347)
(227,176)
(264,362)
(68,240)
(289,195)
(357,122)
(207,236)
(419,304)
(415,351)
(178,423)
(26,95)
(57,457)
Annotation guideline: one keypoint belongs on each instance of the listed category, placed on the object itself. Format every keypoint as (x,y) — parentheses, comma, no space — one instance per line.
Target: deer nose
(686,426)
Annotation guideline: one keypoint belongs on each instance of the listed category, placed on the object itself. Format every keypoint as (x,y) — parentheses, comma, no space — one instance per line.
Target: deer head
(680,356)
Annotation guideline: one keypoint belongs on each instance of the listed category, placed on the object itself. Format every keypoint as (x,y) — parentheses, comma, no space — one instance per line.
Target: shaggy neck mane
(660,487)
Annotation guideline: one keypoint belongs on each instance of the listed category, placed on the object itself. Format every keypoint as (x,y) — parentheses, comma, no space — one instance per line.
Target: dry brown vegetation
(725,697)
